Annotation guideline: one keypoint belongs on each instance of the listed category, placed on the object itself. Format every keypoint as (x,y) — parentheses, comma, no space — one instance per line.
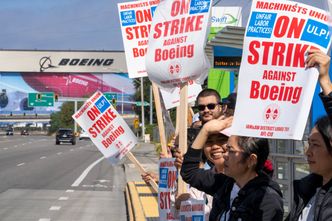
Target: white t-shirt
(234,193)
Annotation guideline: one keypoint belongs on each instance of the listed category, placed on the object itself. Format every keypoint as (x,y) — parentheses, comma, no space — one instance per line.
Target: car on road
(10,132)
(84,135)
(24,132)
(65,135)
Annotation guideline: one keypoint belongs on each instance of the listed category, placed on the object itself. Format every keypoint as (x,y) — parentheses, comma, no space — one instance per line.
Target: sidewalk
(147,156)
(142,200)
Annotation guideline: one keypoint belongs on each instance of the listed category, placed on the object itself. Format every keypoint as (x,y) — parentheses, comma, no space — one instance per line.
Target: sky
(60,25)
(73,24)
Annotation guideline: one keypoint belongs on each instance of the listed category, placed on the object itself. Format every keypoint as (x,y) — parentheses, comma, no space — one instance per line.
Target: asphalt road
(43,181)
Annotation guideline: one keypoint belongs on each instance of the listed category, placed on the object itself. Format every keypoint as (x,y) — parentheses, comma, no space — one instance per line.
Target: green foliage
(149,130)
(137,97)
(63,119)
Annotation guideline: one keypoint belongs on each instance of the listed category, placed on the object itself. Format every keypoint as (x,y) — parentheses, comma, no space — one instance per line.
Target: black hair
(323,126)
(230,100)
(209,92)
(258,146)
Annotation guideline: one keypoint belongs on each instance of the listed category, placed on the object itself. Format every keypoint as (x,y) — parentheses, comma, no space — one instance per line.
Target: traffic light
(56,97)
(113,101)
(39,96)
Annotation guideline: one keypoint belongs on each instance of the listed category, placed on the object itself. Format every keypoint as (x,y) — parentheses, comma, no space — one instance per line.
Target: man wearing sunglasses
(208,105)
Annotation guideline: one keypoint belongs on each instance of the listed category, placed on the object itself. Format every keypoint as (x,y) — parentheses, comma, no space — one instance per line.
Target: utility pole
(75,110)
(122,102)
(151,106)
(142,109)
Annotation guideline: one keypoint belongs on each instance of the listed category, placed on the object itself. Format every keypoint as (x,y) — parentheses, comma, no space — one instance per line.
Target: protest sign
(176,43)
(192,209)
(275,89)
(135,19)
(172,99)
(167,189)
(106,128)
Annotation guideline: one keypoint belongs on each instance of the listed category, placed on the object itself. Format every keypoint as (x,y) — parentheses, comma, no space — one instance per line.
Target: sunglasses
(201,107)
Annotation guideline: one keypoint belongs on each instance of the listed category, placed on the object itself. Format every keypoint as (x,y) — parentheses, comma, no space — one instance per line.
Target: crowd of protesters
(238,174)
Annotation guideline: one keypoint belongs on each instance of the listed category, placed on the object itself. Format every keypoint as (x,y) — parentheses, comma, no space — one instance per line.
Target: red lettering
(289,54)
(275,92)
(179,7)
(266,51)
(92,132)
(137,32)
(93,113)
(173,53)
(254,58)
(139,52)
(281,26)
(143,16)
(105,143)
(299,55)
(294,27)
(178,26)
(165,200)
(157,30)
(171,179)
(278,54)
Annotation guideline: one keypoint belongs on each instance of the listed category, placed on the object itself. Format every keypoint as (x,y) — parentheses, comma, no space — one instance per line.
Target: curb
(142,202)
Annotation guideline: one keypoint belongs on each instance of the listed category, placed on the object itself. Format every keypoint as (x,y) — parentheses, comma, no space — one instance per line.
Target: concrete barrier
(142,202)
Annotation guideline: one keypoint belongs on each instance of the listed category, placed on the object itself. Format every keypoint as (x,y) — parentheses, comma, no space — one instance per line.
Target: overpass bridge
(42,118)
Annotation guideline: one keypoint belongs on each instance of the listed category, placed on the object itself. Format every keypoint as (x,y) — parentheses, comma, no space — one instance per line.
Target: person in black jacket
(313,193)
(243,192)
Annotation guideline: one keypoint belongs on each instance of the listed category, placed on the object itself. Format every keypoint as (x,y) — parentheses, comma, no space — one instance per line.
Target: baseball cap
(230,100)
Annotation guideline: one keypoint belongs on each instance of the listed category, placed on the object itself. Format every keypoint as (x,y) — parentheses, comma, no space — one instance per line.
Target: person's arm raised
(211,127)
(322,61)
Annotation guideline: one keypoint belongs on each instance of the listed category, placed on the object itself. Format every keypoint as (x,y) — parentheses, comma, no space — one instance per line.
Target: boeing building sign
(62,61)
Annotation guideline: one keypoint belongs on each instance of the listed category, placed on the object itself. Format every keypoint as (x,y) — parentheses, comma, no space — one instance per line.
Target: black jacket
(259,199)
(327,102)
(304,190)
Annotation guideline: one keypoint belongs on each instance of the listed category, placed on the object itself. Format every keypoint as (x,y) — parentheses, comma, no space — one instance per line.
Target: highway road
(41,181)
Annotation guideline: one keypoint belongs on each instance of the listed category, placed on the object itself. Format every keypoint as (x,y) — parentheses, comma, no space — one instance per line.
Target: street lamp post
(142,109)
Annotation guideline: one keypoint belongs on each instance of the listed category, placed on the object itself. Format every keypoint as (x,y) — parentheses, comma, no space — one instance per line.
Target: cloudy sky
(60,24)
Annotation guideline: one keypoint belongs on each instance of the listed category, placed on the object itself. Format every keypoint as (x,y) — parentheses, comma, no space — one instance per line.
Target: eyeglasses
(230,150)
(210,106)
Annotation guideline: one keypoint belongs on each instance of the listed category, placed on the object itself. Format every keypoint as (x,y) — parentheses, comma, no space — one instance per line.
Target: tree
(63,119)
(137,97)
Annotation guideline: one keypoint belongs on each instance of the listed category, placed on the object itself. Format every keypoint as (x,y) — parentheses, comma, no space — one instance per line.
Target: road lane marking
(21,164)
(70,191)
(44,219)
(55,208)
(85,172)
(63,198)
(59,153)
(43,157)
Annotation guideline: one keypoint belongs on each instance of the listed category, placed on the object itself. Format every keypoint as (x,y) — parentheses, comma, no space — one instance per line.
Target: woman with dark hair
(313,193)
(244,191)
